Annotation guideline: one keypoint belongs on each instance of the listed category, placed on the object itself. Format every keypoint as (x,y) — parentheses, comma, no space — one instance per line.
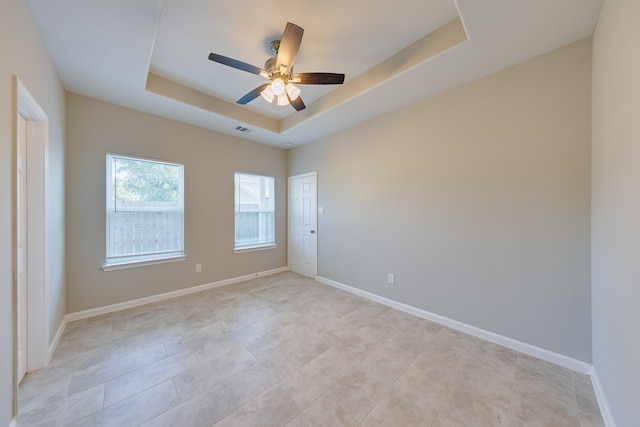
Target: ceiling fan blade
(289,46)
(253,94)
(234,63)
(296,103)
(318,78)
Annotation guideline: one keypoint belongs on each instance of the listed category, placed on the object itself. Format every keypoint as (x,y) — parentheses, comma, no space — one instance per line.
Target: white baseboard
(147,300)
(56,339)
(605,410)
(531,350)
(558,359)
(173,294)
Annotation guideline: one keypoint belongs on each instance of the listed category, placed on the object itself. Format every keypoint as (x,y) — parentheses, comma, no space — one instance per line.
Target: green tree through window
(145,209)
(149,181)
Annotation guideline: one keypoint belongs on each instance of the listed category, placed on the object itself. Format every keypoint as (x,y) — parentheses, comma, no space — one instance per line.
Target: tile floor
(284,350)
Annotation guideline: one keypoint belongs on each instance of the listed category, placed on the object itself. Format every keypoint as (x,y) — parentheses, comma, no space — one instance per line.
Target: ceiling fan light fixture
(267,94)
(282,100)
(279,70)
(277,86)
(293,91)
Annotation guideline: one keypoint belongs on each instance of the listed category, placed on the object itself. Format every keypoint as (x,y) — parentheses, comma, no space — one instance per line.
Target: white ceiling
(151,55)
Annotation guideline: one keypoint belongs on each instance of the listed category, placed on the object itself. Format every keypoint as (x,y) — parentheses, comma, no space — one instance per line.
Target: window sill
(253,248)
(141,263)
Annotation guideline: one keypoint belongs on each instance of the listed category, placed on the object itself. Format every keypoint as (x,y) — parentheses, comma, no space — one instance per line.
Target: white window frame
(244,247)
(120,262)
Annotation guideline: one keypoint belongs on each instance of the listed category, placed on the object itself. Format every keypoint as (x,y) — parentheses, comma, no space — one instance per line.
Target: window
(145,210)
(255,217)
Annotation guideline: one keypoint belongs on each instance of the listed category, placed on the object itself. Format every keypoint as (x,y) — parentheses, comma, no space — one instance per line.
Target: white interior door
(21,239)
(302,247)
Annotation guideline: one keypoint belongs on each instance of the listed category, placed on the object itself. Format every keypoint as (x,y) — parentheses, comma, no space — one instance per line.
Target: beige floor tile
(40,387)
(134,382)
(241,388)
(287,350)
(33,396)
(137,339)
(532,409)
(245,316)
(115,367)
(104,342)
(208,342)
(62,412)
(423,329)
(284,320)
(404,405)
(275,407)
(334,361)
(476,402)
(309,383)
(202,410)
(141,318)
(536,371)
(208,374)
(588,406)
(155,400)
(591,420)
(194,337)
(325,411)
(357,393)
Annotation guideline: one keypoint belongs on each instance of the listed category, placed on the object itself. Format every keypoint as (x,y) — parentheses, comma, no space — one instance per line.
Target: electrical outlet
(391,278)
(198,268)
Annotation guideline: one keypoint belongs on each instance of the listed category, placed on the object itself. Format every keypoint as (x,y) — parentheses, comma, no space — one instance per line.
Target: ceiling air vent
(243,129)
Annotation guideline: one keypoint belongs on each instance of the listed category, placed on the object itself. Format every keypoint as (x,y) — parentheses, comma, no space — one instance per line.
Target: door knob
(312,231)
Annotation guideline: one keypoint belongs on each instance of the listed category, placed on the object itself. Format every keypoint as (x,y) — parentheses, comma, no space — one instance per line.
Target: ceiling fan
(279,69)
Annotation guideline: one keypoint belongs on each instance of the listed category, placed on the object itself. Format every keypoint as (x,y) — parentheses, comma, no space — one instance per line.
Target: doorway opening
(31,340)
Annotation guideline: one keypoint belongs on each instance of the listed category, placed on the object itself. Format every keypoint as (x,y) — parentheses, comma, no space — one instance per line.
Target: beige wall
(24,55)
(477,200)
(210,158)
(616,207)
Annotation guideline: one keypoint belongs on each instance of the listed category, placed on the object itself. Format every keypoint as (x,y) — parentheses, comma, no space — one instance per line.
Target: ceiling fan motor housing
(271,69)
(275,46)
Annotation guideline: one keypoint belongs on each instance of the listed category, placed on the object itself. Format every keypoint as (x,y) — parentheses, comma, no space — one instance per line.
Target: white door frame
(313,174)
(21,247)
(37,154)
